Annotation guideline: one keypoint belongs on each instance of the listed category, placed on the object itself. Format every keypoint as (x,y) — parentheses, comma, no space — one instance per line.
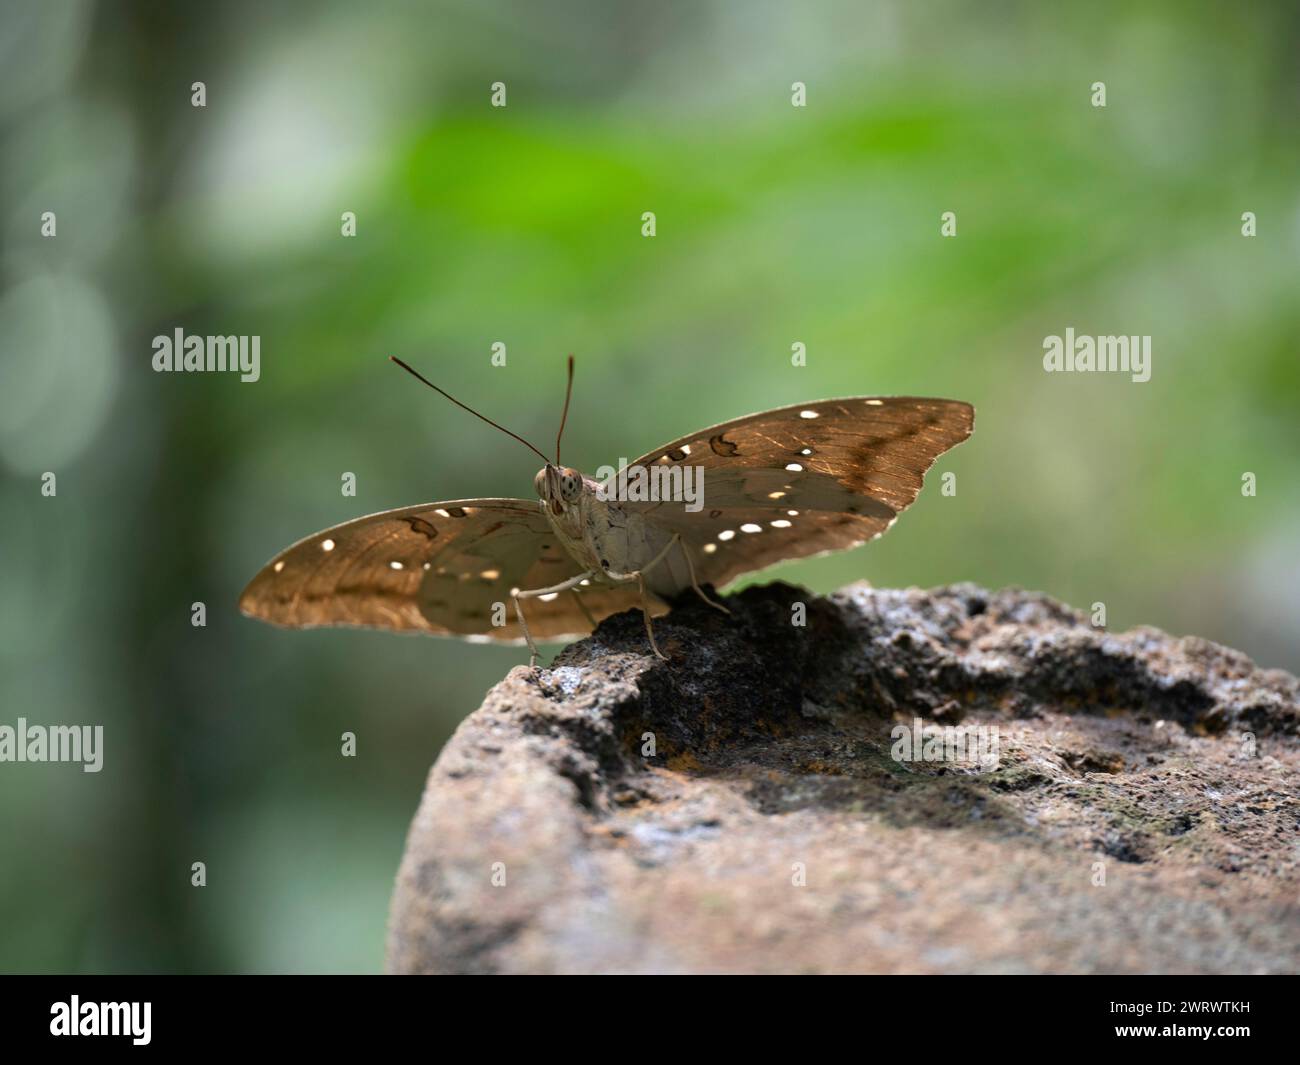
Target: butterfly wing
(801,480)
(439,568)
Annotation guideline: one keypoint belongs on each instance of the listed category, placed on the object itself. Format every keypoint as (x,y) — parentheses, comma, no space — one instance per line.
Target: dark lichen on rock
(738,809)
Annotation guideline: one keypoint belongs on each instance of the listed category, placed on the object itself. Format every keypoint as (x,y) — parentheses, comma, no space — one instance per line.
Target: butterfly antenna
(462,406)
(568,391)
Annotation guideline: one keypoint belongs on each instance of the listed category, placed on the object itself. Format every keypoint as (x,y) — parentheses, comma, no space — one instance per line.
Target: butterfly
(782,484)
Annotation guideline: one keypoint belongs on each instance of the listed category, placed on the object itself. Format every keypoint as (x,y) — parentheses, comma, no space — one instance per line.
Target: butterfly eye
(570,485)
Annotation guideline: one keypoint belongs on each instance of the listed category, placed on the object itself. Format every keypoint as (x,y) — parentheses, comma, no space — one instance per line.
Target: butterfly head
(558,486)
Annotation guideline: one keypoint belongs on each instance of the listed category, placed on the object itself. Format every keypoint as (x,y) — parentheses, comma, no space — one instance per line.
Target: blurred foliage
(522,225)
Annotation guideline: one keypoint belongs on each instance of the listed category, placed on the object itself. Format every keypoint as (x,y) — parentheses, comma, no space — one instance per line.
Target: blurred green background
(522,225)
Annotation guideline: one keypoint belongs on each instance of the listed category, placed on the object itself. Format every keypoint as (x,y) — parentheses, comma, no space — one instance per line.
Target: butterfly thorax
(610,539)
(580,520)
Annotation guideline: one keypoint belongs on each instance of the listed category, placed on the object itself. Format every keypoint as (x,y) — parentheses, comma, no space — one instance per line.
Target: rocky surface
(1142,813)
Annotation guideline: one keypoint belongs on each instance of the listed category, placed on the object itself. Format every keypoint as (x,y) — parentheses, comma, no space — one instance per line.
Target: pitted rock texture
(1142,813)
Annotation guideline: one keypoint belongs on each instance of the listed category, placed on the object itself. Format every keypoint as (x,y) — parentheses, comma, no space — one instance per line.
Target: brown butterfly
(784,484)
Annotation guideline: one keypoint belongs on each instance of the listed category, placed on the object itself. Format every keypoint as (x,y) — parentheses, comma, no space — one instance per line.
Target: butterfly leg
(639,576)
(645,604)
(645,613)
(690,566)
(532,647)
(533,593)
(582,605)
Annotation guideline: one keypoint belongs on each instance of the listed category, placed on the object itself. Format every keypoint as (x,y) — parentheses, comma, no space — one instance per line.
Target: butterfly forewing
(440,568)
(805,479)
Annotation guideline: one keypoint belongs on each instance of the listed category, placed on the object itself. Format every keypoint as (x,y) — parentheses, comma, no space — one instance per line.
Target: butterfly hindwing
(439,568)
(804,479)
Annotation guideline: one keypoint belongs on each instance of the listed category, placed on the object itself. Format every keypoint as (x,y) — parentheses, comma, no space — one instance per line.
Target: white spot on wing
(726,534)
(278,566)
(327,545)
(710,548)
(780,523)
(394,565)
(548,597)
(810,414)
(750,527)
(794,467)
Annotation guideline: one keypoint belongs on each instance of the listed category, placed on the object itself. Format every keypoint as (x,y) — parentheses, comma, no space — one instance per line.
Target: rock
(1141,814)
